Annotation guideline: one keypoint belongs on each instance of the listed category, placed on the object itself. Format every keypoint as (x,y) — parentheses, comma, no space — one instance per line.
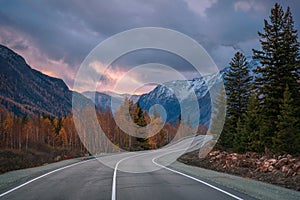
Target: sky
(55,36)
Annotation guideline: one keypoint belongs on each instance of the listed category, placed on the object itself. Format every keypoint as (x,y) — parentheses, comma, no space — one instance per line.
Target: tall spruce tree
(287,137)
(240,140)
(280,66)
(292,56)
(251,126)
(237,86)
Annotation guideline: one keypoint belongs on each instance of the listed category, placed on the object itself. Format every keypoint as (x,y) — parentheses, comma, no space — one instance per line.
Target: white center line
(39,177)
(114,183)
(170,150)
(113,193)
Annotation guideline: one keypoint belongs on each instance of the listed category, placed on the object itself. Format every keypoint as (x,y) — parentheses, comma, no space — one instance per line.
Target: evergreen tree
(237,86)
(240,138)
(287,137)
(292,56)
(280,66)
(251,126)
(237,89)
(228,132)
(139,119)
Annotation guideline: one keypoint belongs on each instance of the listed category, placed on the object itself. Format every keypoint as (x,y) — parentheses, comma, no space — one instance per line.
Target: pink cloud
(199,7)
(23,45)
(246,6)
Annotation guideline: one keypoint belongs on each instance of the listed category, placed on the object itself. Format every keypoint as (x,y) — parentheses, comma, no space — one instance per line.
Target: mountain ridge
(200,86)
(26,91)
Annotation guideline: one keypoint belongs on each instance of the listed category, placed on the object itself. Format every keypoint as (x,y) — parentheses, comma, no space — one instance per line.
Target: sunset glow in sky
(55,36)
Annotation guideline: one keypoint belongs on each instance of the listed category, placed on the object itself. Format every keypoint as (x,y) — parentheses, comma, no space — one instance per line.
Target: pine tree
(292,56)
(237,89)
(287,137)
(280,66)
(251,127)
(240,140)
(228,132)
(237,86)
(139,119)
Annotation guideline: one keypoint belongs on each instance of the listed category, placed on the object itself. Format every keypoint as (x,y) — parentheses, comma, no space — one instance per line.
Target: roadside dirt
(281,170)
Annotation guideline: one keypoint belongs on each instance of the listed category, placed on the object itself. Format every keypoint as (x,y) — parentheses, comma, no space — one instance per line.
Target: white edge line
(39,177)
(188,176)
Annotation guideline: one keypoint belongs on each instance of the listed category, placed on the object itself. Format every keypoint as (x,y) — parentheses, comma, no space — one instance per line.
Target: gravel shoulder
(12,179)
(255,189)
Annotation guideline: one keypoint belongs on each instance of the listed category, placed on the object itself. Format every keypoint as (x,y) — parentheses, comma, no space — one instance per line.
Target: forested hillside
(25,91)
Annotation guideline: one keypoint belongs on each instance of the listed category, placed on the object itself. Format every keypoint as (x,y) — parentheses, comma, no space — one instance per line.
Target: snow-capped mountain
(175,93)
(173,96)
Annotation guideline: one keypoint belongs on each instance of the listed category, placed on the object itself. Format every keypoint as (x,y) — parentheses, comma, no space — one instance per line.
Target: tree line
(24,133)
(263,112)
(35,133)
(133,119)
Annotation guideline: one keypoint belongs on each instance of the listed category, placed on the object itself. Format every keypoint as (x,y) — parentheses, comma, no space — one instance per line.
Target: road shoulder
(255,189)
(12,179)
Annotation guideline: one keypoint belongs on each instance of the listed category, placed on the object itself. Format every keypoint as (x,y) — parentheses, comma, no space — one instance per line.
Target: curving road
(124,176)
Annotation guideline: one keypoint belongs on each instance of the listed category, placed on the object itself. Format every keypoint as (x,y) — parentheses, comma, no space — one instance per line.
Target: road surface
(122,176)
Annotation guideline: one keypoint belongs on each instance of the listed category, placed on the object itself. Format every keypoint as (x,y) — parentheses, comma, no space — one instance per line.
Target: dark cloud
(66,31)
(145,56)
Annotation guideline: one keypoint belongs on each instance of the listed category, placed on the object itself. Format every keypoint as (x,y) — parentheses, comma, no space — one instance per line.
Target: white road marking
(191,177)
(113,197)
(114,183)
(39,177)
(113,191)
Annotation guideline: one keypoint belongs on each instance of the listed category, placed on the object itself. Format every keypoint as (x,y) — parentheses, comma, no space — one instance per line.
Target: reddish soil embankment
(282,170)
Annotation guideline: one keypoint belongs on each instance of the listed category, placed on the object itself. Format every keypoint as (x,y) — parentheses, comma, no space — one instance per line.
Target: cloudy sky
(55,36)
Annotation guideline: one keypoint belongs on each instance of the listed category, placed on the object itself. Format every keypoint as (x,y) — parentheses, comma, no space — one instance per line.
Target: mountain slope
(25,91)
(103,100)
(133,97)
(166,97)
(173,100)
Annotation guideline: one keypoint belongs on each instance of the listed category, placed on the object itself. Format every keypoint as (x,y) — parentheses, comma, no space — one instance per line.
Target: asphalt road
(122,176)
